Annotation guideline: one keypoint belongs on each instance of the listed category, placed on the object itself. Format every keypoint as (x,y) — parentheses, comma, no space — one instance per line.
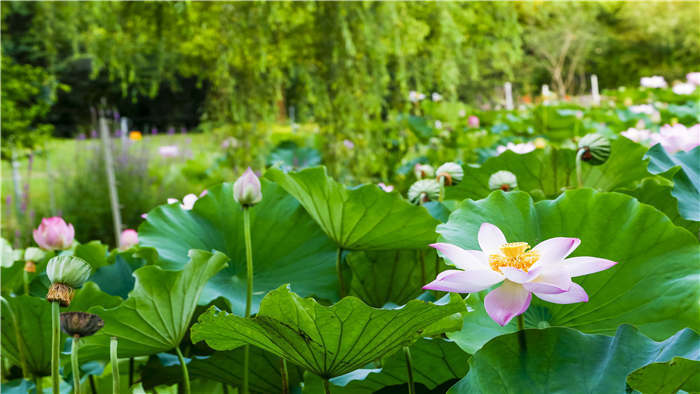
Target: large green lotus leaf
(434,362)
(288,246)
(653,286)
(12,278)
(552,170)
(362,218)
(656,191)
(395,276)
(33,316)
(158,311)
(90,295)
(227,367)
(686,177)
(326,340)
(563,360)
(94,253)
(667,377)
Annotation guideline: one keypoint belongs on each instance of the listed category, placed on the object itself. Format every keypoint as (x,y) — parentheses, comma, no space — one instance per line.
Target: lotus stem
(114,360)
(74,364)
(339,271)
(579,176)
(55,346)
(185,374)
(521,333)
(326,386)
(409,368)
(18,338)
(93,389)
(249,294)
(25,276)
(284,375)
(37,383)
(441,196)
(131,371)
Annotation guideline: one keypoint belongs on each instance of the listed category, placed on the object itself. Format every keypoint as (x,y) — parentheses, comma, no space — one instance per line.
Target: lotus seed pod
(247,190)
(80,324)
(503,180)
(596,148)
(423,171)
(29,266)
(69,270)
(424,190)
(452,172)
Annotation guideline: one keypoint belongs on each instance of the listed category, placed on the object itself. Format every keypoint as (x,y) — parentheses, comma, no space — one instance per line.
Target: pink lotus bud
(128,239)
(246,190)
(54,234)
(473,121)
(386,188)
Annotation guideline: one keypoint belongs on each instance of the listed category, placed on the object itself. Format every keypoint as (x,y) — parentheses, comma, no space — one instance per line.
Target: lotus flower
(168,151)
(677,137)
(436,96)
(637,135)
(386,188)
(187,201)
(523,148)
(348,144)
(415,97)
(247,189)
(473,121)
(683,88)
(54,234)
(693,78)
(543,270)
(653,82)
(642,109)
(128,238)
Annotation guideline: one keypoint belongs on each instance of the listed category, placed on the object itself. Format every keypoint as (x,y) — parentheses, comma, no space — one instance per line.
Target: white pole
(16,184)
(509,95)
(594,89)
(111,180)
(124,127)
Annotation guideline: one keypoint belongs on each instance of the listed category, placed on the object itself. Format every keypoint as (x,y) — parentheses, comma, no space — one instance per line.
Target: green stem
(25,276)
(131,371)
(442,188)
(521,323)
(326,386)
(249,295)
(55,346)
(75,365)
(93,389)
(409,368)
(114,360)
(339,271)
(185,374)
(521,333)
(579,176)
(37,383)
(285,378)
(18,338)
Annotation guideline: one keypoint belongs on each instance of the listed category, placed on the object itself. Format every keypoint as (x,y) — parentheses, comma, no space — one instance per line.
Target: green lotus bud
(80,324)
(452,172)
(504,180)
(247,189)
(66,273)
(423,171)
(424,190)
(595,149)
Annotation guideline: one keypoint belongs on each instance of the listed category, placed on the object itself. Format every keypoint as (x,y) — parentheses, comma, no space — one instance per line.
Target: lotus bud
(595,147)
(503,180)
(424,190)
(128,238)
(54,234)
(473,121)
(423,171)
(31,256)
(80,324)
(66,273)
(452,172)
(246,190)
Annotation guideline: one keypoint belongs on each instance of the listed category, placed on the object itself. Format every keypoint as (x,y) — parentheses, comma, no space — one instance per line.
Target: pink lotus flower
(128,238)
(473,121)
(187,201)
(677,137)
(653,82)
(247,190)
(683,88)
(386,188)
(543,270)
(348,144)
(168,151)
(693,78)
(54,234)
(642,109)
(415,97)
(523,148)
(637,135)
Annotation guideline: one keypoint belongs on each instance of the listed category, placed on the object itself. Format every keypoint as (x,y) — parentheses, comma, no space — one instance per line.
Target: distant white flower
(438,124)
(348,144)
(462,113)
(683,88)
(168,151)
(637,135)
(415,97)
(187,201)
(653,82)
(693,78)
(677,137)
(436,96)
(517,148)
(642,109)
(386,188)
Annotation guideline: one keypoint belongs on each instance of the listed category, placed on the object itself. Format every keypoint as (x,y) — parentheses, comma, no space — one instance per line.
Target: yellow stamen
(514,255)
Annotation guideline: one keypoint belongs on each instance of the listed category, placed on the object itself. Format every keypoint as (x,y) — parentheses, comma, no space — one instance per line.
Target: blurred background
(192,93)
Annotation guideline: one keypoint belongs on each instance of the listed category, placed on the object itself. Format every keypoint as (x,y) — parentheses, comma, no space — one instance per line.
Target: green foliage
(684,169)
(583,363)
(667,377)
